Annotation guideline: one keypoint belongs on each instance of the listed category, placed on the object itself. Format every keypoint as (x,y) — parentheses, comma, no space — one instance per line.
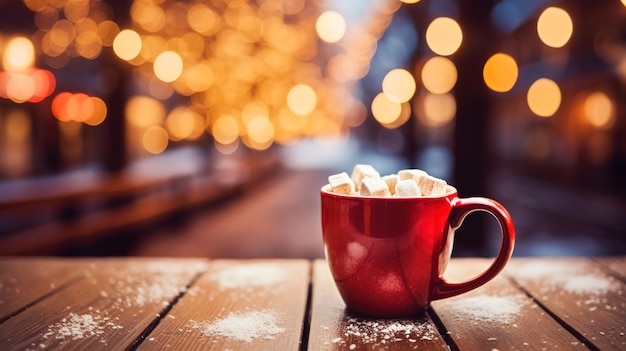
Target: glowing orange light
(444,36)
(32,86)
(19,55)
(77,107)
(599,110)
(399,85)
(500,72)
(544,97)
(168,66)
(555,27)
(45,83)
(59,104)
(99,112)
(21,87)
(331,26)
(127,44)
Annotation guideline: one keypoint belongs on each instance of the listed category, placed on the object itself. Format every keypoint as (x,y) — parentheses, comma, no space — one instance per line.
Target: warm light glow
(439,109)
(108,31)
(20,87)
(555,27)
(99,112)
(78,107)
(154,140)
(599,110)
(444,36)
(143,111)
(32,86)
(500,72)
(302,99)
(183,123)
(544,97)
(45,83)
(227,149)
(384,110)
(58,106)
(127,44)
(330,26)
(439,75)
(416,1)
(148,15)
(260,132)
(15,133)
(225,130)
(203,19)
(18,55)
(399,85)
(168,66)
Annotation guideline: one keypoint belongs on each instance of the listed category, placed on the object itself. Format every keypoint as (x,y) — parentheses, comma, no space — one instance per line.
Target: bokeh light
(168,66)
(555,27)
(18,55)
(330,26)
(444,36)
(99,112)
(225,130)
(154,140)
(439,75)
(127,44)
(19,87)
(399,85)
(599,110)
(302,99)
(144,111)
(386,111)
(437,110)
(500,72)
(544,97)
(183,123)
(78,107)
(260,133)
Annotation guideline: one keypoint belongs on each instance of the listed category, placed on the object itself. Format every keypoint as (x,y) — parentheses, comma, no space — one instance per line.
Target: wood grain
(616,265)
(197,304)
(238,305)
(498,316)
(581,294)
(108,310)
(23,282)
(334,328)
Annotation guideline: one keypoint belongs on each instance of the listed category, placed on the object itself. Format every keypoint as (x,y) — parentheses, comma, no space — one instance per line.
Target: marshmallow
(431,186)
(374,186)
(391,180)
(415,174)
(341,183)
(407,187)
(360,172)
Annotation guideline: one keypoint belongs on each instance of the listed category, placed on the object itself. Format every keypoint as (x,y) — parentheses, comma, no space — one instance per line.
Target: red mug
(388,255)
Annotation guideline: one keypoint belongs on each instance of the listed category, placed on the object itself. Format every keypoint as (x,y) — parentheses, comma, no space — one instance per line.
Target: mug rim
(451,191)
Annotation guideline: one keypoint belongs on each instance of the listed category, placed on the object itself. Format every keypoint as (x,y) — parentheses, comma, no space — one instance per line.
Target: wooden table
(271,304)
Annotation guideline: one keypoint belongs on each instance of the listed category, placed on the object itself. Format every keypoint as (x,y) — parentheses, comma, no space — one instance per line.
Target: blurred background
(207,127)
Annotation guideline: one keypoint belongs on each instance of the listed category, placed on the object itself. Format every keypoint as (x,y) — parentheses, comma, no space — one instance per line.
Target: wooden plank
(238,305)
(498,315)
(581,294)
(334,328)
(109,310)
(617,265)
(23,281)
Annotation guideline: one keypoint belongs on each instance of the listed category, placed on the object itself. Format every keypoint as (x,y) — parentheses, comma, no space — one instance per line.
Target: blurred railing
(46,215)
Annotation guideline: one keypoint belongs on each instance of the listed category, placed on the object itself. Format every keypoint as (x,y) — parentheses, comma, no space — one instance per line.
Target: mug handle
(460,209)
